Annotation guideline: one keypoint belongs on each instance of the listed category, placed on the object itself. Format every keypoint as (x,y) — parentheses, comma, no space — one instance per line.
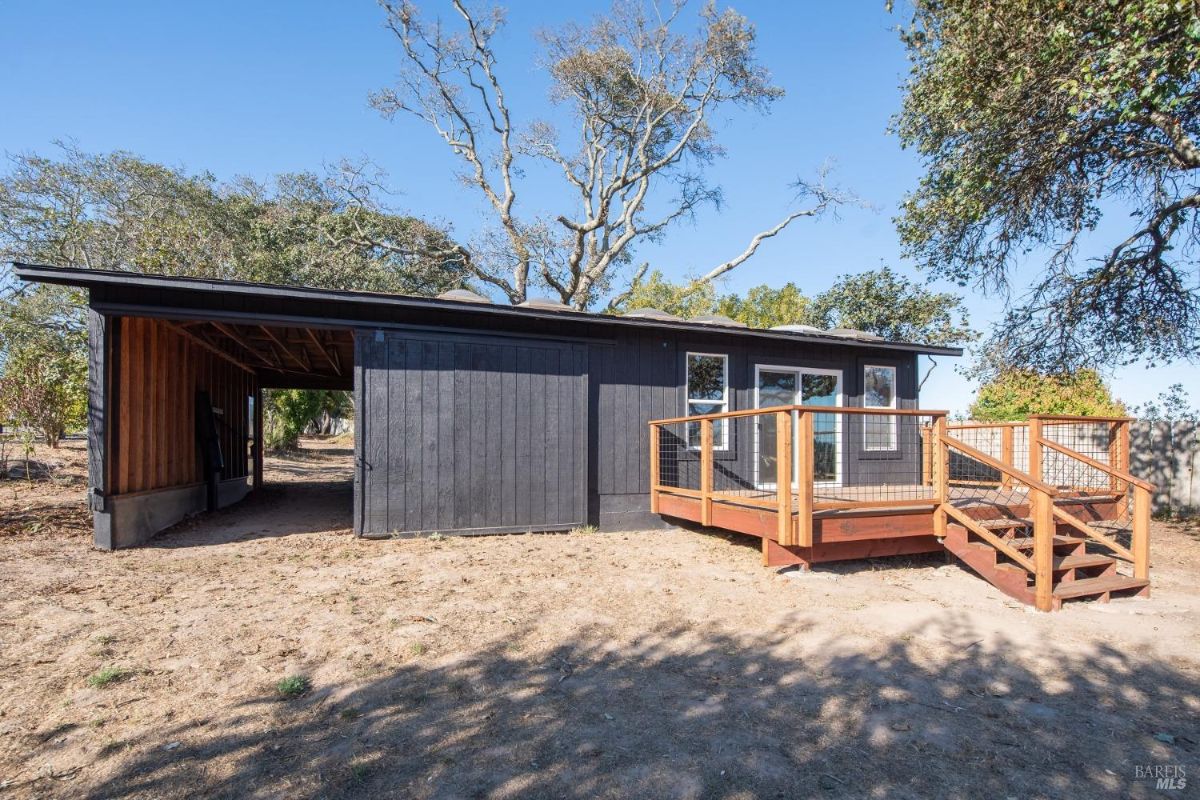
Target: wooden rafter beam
(236,337)
(209,346)
(333,360)
(286,350)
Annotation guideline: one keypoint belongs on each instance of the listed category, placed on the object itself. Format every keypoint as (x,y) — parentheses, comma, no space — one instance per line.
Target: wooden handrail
(749,412)
(1078,418)
(1097,465)
(1001,467)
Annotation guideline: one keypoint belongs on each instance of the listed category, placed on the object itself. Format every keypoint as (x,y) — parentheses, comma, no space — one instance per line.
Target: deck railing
(1076,455)
(799,460)
(840,459)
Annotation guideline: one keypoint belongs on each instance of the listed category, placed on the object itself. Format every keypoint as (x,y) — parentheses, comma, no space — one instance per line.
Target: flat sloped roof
(90,278)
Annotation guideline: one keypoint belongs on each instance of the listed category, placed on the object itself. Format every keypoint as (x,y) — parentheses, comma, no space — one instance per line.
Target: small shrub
(107,676)
(585,529)
(437,537)
(292,687)
(417,649)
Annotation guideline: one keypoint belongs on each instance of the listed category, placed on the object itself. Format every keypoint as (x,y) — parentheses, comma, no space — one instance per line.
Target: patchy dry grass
(641,664)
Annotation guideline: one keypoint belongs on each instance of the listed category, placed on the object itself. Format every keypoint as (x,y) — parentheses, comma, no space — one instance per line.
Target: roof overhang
(92,279)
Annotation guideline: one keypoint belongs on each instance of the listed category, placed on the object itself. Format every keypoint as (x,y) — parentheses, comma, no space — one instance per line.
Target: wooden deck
(1024,535)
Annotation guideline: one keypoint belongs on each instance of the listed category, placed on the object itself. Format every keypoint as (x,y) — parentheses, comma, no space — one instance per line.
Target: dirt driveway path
(655,664)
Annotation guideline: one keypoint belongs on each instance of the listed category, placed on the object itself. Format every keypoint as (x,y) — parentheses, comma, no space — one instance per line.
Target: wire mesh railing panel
(745,457)
(1096,440)
(873,458)
(679,455)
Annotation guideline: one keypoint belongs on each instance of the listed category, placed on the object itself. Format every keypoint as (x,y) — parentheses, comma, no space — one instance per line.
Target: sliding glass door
(783,386)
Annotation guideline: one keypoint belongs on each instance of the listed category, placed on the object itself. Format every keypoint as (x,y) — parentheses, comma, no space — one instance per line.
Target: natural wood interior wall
(156,373)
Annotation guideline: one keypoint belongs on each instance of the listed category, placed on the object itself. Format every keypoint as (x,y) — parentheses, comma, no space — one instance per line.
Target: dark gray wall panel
(471,434)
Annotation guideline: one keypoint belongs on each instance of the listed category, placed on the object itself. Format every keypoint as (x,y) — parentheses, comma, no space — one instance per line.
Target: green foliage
(1032,118)
(293,686)
(1014,394)
(117,211)
(764,307)
(891,306)
(108,676)
(878,301)
(1173,405)
(288,412)
(43,383)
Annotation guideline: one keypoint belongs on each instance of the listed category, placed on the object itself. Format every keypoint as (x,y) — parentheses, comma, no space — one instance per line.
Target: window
(879,391)
(707,393)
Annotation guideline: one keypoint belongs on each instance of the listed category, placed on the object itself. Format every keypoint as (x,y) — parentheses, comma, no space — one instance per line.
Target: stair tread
(1082,561)
(1107,583)
(1026,542)
(1006,522)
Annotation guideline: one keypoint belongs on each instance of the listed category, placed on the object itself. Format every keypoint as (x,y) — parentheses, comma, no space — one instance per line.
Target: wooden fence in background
(1167,454)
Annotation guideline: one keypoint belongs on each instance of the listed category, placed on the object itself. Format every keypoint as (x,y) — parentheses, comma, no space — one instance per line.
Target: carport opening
(190,398)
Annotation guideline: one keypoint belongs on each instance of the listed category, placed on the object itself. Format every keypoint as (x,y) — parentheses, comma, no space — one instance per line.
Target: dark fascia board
(87,278)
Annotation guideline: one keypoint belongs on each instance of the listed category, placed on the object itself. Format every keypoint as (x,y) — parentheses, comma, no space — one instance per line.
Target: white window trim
(723,402)
(893,421)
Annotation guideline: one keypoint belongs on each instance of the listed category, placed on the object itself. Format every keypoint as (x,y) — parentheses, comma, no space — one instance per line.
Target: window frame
(724,402)
(892,421)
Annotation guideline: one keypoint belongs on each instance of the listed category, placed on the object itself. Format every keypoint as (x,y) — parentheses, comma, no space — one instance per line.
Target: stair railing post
(1006,453)
(1035,447)
(783,477)
(1043,549)
(941,474)
(1118,458)
(1140,544)
(804,487)
(706,471)
(927,454)
(655,468)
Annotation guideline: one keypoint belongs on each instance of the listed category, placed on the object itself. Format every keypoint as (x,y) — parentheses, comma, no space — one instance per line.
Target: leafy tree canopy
(879,301)
(1034,117)
(117,211)
(1014,394)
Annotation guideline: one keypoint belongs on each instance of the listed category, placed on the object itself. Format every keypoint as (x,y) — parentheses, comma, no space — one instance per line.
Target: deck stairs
(1077,573)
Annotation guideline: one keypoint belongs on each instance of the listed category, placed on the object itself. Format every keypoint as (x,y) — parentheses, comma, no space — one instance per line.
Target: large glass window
(879,391)
(708,393)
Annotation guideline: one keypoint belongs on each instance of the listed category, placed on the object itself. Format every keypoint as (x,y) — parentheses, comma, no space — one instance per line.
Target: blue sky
(266,87)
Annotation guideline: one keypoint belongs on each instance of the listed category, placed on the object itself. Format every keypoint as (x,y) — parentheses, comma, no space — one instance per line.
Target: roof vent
(543,303)
(652,313)
(854,333)
(718,319)
(463,296)
(797,329)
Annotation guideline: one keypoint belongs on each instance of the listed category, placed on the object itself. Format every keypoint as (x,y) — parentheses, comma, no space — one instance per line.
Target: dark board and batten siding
(469,434)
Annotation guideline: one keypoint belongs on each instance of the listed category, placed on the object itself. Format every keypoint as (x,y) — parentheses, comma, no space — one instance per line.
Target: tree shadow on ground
(683,714)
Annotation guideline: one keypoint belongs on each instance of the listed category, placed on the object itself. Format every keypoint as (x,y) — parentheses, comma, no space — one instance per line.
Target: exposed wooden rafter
(333,359)
(239,339)
(287,351)
(209,346)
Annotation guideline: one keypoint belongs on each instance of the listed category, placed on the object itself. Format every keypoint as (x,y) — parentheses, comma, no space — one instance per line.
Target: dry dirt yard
(654,664)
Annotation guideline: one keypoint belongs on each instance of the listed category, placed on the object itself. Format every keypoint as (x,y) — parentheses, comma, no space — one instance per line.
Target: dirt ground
(650,664)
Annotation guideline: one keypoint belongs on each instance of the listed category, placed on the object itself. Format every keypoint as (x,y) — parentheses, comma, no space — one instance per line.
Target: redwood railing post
(783,476)
(941,474)
(706,471)
(1035,447)
(1006,453)
(804,487)
(1118,458)
(1140,544)
(1043,549)
(655,468)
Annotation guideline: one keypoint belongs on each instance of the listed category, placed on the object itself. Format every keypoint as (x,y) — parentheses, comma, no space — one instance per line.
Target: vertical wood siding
(470,434)
(155,376)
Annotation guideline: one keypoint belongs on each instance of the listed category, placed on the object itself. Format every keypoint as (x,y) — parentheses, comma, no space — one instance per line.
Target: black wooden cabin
(470,417)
